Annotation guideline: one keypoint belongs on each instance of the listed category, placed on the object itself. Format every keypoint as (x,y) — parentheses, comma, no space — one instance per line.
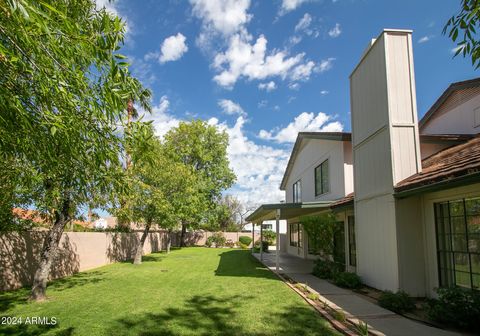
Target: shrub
(264,246)
(219,239)
(269,236)
(456,307)
(245,240)
(399,302)
(325,269)
(347,280)
(242,245)
(209,241)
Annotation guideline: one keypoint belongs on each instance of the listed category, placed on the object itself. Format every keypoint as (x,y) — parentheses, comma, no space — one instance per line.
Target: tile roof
(455,162)
(346,201)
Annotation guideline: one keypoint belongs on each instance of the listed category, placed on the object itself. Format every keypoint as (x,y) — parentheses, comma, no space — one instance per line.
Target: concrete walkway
(383,320)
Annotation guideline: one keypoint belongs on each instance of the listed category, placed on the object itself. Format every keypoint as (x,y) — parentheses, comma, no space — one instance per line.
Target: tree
(202,148)
(225,214)
(463,27)
(63,93)
(321,230)
(155,184)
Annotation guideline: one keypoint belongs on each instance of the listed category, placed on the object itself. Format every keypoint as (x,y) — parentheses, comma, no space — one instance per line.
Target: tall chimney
(386,150)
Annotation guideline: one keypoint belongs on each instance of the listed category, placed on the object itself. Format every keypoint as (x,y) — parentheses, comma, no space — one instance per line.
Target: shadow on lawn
(211,315)
(241,263)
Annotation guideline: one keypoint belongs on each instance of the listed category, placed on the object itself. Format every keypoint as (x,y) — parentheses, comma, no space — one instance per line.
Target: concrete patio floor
(354,304)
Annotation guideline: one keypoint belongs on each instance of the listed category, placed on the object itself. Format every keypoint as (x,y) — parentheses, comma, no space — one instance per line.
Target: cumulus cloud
(304,22)
(325,65)
(173,48)
(290,5)
(335,31)
(302,72)
(231,108)
(252,61)
(162,119)
(324,92)
(304,122)
(270,86)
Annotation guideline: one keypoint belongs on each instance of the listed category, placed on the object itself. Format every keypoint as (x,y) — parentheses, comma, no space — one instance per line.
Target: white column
(253,237)
(277,241)
(261,241)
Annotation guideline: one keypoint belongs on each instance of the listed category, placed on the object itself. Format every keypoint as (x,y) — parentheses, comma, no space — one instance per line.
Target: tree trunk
(182,236)
(169,240)
(50,247)
(139,252)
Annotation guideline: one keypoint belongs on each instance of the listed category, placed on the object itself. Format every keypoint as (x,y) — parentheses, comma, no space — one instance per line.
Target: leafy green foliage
(217,239)
(321,230)
(457,307)
(347,280)
(326,269)
(246,240)
(399,302)
(462,29)
(269,236)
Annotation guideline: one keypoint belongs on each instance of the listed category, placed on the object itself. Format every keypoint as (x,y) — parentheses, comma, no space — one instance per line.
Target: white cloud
(324,65)
(302,72)
(290,5)
(222,16)
(243,59)
(231,108)
(324,92)
(108,5)
(173,48)
(270,86)
(335,31)
(294,86)
(304,22)
(163,121)
(304,122)
(425,39)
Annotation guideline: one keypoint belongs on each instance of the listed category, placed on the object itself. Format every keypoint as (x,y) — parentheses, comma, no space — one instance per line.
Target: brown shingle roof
(452,163)
(346,201)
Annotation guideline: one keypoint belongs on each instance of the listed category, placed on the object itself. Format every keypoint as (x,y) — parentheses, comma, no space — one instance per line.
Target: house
(405,193)
(267,225)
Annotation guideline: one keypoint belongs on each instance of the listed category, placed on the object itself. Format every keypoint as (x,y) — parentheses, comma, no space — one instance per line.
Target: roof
(335,136)
(343,202)
(451,166)
(287,210)
(471,83)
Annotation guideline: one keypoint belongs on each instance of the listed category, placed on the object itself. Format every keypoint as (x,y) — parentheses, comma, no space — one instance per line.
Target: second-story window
(322,184)
(297,192)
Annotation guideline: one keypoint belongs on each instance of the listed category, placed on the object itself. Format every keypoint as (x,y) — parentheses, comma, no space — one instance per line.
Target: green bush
(209,241)
(242,245)
(218,239)
(347,280)
(269,236)
(399,302)
(245,240)
(456,307)
(257,246)
(326,269)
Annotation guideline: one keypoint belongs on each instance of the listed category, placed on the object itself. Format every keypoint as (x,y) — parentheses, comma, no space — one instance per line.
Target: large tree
(463,28)
(202,148)
(63,93)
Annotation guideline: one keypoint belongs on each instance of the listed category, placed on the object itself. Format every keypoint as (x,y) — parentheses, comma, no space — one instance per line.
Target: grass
(192,291)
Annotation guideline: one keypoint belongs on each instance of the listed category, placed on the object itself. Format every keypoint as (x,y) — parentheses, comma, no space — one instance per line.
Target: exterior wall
(313,153)
(463,118)
(428,219)
(428,149)
(386,150)
(411,246)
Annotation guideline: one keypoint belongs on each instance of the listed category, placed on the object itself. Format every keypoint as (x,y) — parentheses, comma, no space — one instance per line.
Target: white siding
(459,120)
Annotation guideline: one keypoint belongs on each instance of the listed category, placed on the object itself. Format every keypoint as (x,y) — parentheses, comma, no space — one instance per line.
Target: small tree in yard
(63,92)
(320,230)
(203,149)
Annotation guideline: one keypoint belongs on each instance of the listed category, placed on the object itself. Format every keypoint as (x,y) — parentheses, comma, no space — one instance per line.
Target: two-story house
(406,192)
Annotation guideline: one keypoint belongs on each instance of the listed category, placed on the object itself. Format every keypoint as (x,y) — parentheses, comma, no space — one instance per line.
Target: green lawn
(192,291)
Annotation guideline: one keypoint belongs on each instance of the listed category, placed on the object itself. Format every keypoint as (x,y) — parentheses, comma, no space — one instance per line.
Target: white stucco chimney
(386,149)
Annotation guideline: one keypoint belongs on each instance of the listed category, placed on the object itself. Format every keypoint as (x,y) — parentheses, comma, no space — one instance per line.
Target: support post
(261,241)
(253,237)
(277,241)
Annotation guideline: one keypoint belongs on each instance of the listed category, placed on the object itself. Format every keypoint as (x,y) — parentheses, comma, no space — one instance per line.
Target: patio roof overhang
(287,210)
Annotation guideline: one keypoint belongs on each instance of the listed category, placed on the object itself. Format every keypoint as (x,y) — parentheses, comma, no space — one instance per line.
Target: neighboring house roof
(469,87)
(451,166)
(335,136)
(31,215)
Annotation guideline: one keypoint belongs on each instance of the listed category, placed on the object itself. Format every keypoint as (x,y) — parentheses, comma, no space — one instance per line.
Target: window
(297,192)
(352,248)
(322,185)
(300,235)
(458,242)
(267,226)
(293,234)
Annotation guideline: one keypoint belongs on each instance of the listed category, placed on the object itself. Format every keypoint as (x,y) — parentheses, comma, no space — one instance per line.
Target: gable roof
(335,136)
(451,166)
(454,87)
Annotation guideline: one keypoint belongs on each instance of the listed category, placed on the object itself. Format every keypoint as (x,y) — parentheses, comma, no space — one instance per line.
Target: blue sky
(264,70)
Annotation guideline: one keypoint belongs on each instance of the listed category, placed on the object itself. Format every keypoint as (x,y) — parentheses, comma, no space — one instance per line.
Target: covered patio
(278,212)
